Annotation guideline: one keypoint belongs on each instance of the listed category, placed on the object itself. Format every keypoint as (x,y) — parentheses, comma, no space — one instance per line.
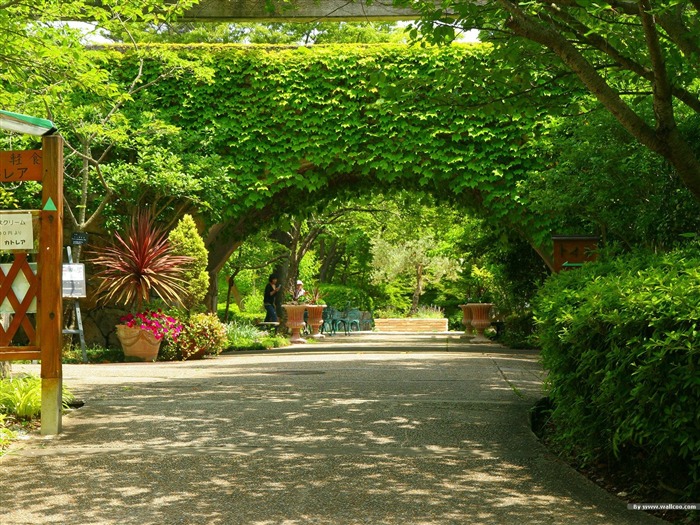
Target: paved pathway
(408,430)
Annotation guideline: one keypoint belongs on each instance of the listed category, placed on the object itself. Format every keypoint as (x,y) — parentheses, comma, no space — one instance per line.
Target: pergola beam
(296,11)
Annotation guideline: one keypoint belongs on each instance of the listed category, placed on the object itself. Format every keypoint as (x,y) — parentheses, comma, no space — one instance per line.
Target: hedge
(620,342)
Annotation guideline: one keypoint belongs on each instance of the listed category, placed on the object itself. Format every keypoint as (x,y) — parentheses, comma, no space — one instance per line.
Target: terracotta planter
(295,321)
(316,319)
(137,343)
(467,321)
(481,320)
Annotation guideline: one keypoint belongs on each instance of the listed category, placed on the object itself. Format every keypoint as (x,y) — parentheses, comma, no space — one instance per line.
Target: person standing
(269,294)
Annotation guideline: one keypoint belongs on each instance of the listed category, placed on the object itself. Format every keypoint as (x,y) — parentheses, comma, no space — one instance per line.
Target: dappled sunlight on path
(321,435)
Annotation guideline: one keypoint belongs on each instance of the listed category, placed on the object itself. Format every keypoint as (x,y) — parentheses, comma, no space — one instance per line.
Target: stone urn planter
(480,320)
(316,319)
(467,321)
(295,321)
(137,343)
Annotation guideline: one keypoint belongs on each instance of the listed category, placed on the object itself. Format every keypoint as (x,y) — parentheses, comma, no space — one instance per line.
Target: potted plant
(478,307)
(132,270)
(315,310)
(141,334)
(295,315)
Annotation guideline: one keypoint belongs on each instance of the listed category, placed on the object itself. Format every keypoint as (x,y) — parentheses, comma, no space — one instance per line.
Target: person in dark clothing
(271,290)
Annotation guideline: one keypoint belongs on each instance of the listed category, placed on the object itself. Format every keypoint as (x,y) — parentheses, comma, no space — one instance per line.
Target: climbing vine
(276,120)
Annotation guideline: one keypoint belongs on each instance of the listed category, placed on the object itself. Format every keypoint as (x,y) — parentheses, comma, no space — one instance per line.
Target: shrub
(139,265)
(621,343)
(203,335)
(242,335)
(20,396)
(185,241)
(95,354)
(518,330)
(429,312)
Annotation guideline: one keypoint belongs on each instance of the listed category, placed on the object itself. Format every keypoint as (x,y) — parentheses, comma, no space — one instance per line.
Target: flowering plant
(156,322)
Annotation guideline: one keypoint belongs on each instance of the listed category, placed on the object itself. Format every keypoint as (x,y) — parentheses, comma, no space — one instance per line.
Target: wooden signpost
(571,251)
(44,288)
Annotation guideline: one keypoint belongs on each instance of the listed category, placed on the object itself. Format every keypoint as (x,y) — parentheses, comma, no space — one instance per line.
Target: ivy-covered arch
(274,127)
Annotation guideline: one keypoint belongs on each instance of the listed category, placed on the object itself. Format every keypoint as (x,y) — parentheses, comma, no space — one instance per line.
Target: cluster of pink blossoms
(159,324)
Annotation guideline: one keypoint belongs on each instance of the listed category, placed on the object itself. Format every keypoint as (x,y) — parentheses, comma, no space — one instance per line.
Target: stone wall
(99,326)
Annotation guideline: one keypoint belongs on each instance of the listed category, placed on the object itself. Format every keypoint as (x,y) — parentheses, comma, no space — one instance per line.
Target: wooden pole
(50,300)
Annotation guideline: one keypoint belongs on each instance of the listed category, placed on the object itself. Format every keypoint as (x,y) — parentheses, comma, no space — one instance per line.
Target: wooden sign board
(570,251)
(16,230)
(19,166)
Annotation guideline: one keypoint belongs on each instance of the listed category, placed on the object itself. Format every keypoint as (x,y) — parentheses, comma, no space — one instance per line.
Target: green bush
(340,297)
(185,241)
(169,351)
(621,343)
(20,396)
(242,335)
(429,312)
(518,330)
(73,354)
(203,335)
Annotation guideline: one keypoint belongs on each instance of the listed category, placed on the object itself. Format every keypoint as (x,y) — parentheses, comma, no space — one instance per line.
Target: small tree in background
(186,241)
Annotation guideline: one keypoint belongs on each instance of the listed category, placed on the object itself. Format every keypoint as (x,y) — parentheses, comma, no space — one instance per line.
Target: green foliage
(203,334)
(360,94)
(340,297)
(518,330)
(268,33)
(20,396)
(429,312)
(653,61)
(620,342)
(73,354)
(185,240)
(603,182)
(7,435)
(242,335)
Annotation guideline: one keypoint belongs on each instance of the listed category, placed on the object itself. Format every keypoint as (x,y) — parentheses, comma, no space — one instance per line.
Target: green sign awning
(26,124)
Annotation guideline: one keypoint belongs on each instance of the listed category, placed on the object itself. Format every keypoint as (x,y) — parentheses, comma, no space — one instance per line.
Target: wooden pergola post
(50,298)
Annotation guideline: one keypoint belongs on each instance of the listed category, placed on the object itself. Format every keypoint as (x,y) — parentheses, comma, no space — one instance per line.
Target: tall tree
(620,51)
(407,245)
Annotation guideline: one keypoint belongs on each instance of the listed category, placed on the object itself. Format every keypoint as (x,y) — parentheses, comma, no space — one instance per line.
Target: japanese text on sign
(74,280)
(16,231)
(18,166)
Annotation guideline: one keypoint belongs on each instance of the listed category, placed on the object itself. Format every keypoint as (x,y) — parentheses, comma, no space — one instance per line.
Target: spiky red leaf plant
(139,265)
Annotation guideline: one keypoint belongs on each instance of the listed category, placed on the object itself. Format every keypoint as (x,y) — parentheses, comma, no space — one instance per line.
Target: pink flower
(155,322)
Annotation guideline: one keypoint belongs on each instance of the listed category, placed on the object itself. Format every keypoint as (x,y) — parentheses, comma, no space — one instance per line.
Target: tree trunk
(418,290)
(665,140)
